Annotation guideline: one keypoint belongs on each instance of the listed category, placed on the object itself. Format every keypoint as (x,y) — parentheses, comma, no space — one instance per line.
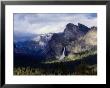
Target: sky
(36,23)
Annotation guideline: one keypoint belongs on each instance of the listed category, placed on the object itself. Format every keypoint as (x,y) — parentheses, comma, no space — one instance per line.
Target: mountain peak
(81,25)
(93,28)
(70,25)
(83,28)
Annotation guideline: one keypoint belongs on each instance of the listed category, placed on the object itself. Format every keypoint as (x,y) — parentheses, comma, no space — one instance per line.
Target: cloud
(33,23)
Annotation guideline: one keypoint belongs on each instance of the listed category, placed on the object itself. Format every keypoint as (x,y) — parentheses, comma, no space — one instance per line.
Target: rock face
(72,32)
(75,38)
(83,28)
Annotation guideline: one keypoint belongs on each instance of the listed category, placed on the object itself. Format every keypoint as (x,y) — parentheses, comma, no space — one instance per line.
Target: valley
(71,52)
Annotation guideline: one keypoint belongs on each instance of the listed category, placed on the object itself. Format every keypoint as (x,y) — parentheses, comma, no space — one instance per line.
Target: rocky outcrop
(74,38)
(83,43)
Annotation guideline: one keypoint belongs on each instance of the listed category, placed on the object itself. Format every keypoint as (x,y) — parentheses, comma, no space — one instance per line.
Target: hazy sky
(33,23)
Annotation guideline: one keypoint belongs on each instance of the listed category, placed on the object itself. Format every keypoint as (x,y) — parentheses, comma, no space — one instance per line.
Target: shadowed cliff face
(75,39)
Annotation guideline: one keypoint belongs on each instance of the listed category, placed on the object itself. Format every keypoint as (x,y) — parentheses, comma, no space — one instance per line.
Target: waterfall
(63,54)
